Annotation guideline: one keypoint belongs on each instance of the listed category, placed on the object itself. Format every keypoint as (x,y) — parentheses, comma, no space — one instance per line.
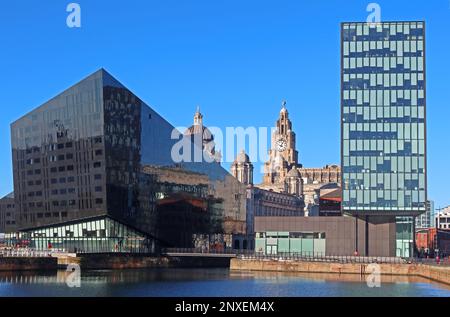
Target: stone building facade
(283,172)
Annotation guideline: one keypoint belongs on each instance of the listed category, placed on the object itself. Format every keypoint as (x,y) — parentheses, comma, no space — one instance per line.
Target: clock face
(281,144)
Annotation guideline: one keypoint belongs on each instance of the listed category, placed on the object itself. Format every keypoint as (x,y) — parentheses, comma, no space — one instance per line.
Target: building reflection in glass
(96,151)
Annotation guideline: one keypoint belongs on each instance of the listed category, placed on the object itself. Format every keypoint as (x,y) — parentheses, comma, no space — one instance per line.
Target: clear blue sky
(236,58)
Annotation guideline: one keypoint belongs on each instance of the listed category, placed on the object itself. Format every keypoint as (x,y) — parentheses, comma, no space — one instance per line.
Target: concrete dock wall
(129,261)
(30,263)
(439,274)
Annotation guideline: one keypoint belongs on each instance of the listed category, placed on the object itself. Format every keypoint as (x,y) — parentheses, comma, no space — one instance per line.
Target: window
(70,179)
(37,172)
(53,181)
(53,170)
(61,146)
(98,188)
(62,180)
(97,164)
(69,156)
(61,157)
(97,176)
(70,167)
(69,144)
(99,201)
(62,168)
(98,152)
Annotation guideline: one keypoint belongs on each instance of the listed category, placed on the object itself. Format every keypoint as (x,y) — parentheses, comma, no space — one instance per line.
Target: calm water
(210,282)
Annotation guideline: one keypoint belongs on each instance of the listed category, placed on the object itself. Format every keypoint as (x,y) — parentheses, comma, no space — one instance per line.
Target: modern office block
(383,127)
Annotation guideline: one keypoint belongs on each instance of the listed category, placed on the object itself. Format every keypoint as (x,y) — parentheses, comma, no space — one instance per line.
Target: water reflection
(211,282)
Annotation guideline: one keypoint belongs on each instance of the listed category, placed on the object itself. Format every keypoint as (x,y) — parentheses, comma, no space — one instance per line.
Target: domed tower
(201,135)
(242,169)
(293,182)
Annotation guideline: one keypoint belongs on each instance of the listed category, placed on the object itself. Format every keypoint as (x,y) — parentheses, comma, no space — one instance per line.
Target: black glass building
(94,170)
(383,128)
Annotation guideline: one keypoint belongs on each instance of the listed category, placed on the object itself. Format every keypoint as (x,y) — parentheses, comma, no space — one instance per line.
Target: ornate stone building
(242,169)
(282,155)
(202,137)
(266,202)
(283,172)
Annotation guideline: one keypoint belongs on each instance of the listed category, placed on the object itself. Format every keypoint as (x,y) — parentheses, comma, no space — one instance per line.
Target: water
(210,282)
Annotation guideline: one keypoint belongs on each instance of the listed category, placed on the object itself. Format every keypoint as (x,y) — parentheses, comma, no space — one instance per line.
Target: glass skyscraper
(383,128)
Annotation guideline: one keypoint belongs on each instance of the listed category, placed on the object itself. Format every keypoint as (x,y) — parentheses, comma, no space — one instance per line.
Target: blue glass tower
(383,127)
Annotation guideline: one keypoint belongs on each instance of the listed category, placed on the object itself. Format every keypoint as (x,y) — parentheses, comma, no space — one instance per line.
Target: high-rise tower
(383,99)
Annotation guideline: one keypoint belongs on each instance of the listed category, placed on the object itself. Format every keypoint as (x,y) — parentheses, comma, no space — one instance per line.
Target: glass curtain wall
(102,235)
(383,117)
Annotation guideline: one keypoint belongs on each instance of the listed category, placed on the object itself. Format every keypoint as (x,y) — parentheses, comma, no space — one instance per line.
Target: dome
(330,186)
(197,129)
(242,158)
(293,173)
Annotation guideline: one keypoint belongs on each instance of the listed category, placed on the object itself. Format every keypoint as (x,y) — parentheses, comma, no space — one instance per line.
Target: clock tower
(282,156)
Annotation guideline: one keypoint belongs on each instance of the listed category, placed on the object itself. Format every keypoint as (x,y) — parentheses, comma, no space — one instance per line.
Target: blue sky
(237,59)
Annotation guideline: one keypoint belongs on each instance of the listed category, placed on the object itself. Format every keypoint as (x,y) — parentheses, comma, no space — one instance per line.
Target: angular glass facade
(98,150)
(383,125)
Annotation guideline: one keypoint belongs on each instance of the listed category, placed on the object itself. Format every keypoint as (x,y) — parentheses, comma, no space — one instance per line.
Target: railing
(206,251)
(441,262)
(324,258)
(27,253)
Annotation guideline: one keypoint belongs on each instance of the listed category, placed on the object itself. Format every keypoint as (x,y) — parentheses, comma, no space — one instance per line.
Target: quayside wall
(435,273)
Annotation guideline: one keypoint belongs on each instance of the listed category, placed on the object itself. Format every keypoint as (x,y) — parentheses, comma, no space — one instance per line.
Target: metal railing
(314,257)
(206,251)
(433,261)
(28,253)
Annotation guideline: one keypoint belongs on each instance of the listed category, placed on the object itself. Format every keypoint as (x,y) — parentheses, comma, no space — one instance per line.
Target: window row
(396,46)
